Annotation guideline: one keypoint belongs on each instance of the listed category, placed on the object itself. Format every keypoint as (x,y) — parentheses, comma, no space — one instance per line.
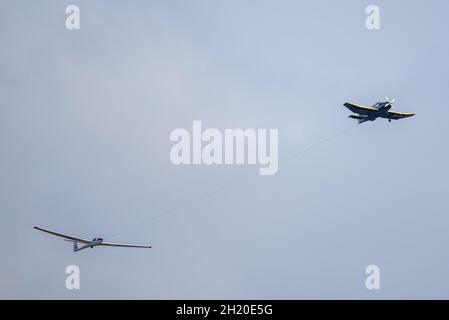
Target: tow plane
(89,243)
(378,110)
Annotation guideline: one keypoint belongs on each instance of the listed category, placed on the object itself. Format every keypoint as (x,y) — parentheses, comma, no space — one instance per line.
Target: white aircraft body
(89,243)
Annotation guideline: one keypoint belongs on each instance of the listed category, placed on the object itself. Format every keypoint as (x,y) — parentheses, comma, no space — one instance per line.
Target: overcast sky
(85,120)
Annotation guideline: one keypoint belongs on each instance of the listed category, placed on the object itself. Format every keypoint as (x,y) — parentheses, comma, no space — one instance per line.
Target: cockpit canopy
(378,104)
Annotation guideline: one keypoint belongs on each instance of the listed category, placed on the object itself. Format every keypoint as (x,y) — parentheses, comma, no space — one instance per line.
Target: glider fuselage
(95,242)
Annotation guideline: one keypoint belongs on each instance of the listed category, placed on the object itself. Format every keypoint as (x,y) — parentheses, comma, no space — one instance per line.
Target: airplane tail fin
(75,244)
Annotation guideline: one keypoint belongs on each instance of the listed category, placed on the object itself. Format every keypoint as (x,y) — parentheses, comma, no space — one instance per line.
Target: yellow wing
(399,115)
(359,109)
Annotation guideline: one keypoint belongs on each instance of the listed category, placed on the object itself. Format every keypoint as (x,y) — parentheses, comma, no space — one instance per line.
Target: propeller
(389,101)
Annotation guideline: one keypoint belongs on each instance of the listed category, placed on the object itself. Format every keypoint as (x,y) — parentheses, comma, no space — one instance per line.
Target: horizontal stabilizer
(356,117)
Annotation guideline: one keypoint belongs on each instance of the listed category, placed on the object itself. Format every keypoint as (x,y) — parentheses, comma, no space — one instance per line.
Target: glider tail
(75,244)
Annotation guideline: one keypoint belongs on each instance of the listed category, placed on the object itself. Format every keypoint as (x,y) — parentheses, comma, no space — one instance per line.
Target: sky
(85,120)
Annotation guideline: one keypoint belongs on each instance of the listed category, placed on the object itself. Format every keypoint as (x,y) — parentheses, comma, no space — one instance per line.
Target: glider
(88,243)
(378,110)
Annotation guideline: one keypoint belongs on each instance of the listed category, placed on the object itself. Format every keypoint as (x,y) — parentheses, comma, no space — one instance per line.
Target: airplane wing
(110,244)
(359,109)
(62,235)
(399,115)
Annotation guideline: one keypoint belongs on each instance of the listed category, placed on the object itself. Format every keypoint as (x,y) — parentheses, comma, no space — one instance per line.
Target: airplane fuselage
(95,242)
(380,111)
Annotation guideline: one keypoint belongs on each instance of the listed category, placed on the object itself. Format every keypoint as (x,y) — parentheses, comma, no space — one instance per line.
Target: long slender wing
(110,244)
(62,235)
(399,115)
(359,109)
